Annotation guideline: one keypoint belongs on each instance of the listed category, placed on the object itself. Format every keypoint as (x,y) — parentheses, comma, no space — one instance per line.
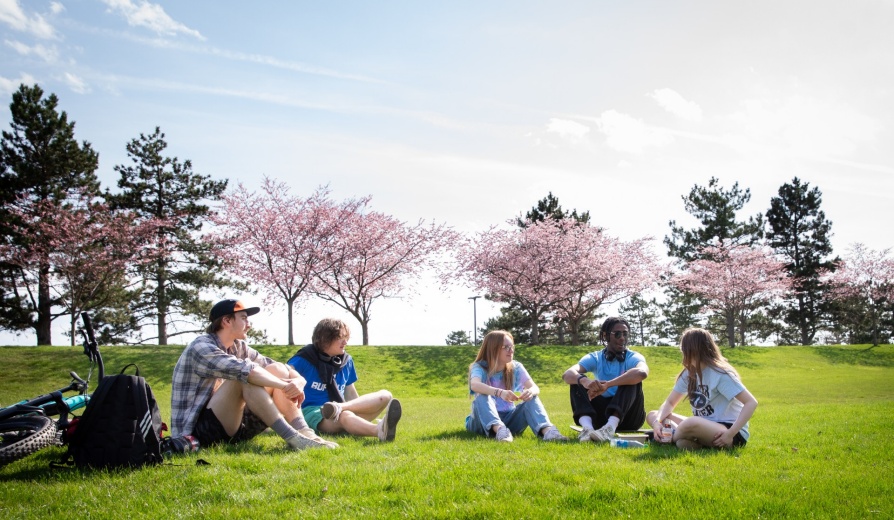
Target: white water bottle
(624,443)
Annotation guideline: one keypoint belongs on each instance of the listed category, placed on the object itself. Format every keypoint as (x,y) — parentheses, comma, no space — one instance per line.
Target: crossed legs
(357,415)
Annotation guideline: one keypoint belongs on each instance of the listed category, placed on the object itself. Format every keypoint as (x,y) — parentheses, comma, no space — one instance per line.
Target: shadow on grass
(873,356)
(452,435)
(656,452)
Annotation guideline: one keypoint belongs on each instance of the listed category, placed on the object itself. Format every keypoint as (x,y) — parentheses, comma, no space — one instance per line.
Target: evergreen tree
(679,311)
(549,208)
(40,161)
(643,316)
(163,188)
(715,208)
(800,233)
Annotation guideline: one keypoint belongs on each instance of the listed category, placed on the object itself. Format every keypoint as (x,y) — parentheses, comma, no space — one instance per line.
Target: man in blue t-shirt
(614,399)
(331,402)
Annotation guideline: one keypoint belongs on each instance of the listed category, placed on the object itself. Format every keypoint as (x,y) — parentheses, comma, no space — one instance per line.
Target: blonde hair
(699,351)
(490,352)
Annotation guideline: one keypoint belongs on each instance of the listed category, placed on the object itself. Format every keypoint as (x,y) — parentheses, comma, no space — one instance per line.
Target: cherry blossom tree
(564,265)
(90,250)
(734,280)
(375,256)
(279,241)
(867,275)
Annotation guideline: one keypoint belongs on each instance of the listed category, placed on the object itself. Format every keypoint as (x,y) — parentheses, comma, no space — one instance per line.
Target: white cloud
(628,134)
(674,103)
(56,7)
(11,14)
(569,130)
(806,126)
(8,86)
(49,54)
(76,84)
(152,16)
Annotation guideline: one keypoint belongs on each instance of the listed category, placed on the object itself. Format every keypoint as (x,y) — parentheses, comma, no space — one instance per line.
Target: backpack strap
(150,423)
(131,365)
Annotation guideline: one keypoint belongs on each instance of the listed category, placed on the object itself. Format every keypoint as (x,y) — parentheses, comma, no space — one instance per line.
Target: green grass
(817,449)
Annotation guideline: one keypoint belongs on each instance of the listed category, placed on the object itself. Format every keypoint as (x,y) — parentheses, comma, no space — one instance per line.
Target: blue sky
(469,112)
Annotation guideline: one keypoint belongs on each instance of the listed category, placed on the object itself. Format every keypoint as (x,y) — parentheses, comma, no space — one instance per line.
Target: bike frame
(54,403)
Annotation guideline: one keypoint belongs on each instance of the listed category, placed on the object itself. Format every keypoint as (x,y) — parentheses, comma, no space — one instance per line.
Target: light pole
(475,317)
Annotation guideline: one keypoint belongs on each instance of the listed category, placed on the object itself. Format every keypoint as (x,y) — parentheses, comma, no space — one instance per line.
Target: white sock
(586,422)
(613,421)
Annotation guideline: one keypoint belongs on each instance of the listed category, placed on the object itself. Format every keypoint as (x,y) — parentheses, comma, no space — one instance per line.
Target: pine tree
(800,233)
(715,208)
(163,188)
(40,161)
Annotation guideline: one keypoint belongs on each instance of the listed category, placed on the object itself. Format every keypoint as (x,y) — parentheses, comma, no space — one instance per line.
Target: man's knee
(280,370)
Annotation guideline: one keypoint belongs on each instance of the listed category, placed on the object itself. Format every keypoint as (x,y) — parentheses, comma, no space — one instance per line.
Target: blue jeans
(484,416)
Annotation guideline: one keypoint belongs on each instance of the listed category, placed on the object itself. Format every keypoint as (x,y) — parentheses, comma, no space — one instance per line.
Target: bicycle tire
(22,436)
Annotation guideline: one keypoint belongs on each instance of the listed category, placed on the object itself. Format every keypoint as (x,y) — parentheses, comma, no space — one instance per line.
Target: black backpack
(121,426)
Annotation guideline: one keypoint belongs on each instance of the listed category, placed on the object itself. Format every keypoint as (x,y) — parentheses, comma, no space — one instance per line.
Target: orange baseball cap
(225,307)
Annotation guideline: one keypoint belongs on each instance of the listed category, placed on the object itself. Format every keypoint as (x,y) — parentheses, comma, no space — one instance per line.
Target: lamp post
(475,317)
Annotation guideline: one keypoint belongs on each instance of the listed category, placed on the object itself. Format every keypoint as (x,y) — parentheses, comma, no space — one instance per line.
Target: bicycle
(28,426)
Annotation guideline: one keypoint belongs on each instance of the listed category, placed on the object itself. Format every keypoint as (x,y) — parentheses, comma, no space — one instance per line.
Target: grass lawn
(817,448)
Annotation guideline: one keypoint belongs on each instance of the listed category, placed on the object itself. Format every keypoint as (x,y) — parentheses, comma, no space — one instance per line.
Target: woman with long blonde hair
(505,397)
(721,405)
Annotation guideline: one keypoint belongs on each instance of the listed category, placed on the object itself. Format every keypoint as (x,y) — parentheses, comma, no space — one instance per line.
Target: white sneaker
(603,434)
(331,411)
(586,435)
(388,423)
(312,435)
(504,435)
(552,434)
(300,442)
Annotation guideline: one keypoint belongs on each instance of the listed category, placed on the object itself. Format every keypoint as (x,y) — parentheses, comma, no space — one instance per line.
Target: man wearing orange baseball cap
(224,391)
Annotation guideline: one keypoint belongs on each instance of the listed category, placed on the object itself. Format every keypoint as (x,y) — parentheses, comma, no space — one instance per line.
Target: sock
(613,421)
(586,422)
(299,423)
(282,428)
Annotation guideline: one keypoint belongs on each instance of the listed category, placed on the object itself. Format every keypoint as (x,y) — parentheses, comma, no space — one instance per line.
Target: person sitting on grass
(721,405)
(332,403)
(505,397)
(224,391)
(614,399)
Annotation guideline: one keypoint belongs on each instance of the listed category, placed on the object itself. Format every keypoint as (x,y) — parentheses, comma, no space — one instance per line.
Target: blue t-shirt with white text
(315,393)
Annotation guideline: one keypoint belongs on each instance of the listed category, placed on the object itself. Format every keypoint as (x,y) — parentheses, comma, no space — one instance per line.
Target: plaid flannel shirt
(202,366)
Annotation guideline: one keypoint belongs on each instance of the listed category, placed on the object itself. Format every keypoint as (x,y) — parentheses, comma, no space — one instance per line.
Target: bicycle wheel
(22,436)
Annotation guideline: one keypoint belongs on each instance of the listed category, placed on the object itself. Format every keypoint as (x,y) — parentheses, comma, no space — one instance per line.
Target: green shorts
(313,416)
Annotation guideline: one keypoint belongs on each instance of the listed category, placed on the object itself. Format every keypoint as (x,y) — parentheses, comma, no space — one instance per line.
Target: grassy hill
(817,448)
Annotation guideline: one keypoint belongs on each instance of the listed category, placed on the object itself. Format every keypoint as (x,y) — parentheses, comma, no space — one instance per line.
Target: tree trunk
(574,325)
(364,325)
(289,304)
(535,334)
(44,306)
(161,305)
(802,321)
(73,327)
(731,329)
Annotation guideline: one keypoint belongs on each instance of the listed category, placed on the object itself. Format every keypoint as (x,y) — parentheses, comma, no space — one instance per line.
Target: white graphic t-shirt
(714,397)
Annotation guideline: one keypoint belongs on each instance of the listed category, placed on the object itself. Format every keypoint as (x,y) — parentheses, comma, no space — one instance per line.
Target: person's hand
(294,391)
(508,395)
(595,389)
(526,395)
(724,439)
(657,436)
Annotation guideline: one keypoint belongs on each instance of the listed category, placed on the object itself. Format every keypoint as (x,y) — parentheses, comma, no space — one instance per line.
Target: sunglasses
(620,333)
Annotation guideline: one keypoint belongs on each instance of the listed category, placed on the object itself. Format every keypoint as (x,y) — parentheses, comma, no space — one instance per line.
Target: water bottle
(667,431)
(624,443)
(184,444)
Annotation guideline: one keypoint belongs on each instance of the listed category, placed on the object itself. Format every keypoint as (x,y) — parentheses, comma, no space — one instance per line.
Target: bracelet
(580,377)
(496,392)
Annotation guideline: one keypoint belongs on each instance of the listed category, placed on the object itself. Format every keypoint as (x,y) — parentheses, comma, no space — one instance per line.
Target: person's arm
(667,408)
(351,393)
(631,377)
(577,375)
(479,387)
(725,439)
(290,387)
